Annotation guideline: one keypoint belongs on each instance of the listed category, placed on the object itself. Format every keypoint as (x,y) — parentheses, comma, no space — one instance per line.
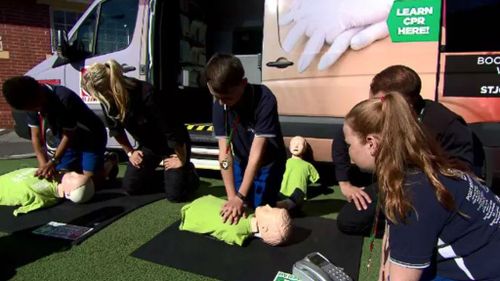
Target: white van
(168,43)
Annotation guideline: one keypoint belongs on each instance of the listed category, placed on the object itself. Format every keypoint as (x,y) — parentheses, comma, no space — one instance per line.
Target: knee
(354,226)
(131,187)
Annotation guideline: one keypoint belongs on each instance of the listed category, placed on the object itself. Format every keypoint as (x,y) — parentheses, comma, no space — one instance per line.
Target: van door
(111,29)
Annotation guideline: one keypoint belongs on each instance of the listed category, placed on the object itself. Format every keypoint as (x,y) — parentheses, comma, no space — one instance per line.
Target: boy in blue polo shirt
(73,135)
(251,149)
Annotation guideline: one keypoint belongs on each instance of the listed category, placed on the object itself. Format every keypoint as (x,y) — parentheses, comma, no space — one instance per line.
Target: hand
(136,158)
(355,194)
(340,23)
(46,170)
(232,210)
(172,162)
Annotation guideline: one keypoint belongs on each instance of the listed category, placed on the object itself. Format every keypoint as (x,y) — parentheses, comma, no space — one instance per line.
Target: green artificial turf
(106,255)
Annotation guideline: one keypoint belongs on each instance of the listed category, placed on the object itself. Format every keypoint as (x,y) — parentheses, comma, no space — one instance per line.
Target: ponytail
(403,146)
(106,83)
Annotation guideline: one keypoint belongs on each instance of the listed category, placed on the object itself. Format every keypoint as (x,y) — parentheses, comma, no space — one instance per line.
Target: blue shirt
(463,244)
(256,114)
(65,110)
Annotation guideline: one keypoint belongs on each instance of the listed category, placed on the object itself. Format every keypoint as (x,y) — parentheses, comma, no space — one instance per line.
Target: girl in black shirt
(134,105)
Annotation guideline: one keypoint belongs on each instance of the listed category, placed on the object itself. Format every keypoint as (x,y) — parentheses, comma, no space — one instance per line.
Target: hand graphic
(339,23)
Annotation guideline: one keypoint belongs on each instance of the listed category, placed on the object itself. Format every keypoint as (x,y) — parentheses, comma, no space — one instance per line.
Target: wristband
(241,196)
(54,160)
(129,154)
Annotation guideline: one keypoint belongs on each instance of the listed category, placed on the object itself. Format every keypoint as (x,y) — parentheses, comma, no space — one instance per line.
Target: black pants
(352,221)
(177,183)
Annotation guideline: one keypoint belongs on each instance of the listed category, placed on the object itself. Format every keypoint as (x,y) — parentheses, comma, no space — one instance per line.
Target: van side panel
(332,92)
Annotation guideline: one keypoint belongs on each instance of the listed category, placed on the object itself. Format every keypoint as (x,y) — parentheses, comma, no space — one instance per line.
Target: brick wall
(25,31)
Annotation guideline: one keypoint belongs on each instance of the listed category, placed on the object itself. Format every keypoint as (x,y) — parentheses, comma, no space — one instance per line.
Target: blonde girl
(148,116)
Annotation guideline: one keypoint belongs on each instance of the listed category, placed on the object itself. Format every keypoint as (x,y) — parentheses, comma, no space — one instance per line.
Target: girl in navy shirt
(439,215)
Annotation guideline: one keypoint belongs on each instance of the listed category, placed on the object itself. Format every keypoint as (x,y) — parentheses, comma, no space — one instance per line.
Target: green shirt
(297,174)
(21,187)
(203,216)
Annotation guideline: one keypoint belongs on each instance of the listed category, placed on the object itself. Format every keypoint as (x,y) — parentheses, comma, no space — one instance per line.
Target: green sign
(414,20)
(282,276)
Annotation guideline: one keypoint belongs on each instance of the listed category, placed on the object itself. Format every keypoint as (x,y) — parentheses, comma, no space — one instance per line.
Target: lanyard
(232,129)
(373,233)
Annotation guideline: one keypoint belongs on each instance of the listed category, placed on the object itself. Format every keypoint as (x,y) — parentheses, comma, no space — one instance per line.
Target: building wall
(25,32)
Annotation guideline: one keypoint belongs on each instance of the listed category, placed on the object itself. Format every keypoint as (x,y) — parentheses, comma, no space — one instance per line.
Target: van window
(114,31)
(471,25)
(83,39)
(116,25)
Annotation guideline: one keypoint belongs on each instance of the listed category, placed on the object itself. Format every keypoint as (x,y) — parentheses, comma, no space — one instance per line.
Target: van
(287,45)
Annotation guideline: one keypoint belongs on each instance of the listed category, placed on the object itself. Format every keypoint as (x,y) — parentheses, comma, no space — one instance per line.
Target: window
(114,30)
(471,26)
(62,20)
(116,25)
(82,40)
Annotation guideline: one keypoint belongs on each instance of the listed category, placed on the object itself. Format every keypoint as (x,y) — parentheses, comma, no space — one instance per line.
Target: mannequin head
(298,146)
(274,224)
(76,187)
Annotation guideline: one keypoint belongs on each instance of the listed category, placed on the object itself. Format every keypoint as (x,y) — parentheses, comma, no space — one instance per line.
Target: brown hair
(398,78)
(224,71)
(403,145)
(106,83)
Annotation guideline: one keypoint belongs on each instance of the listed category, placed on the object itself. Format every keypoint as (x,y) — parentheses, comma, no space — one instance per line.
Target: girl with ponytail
(134,105)
(432,203)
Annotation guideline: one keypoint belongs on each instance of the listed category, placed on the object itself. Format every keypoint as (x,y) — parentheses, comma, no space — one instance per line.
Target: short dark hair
(224,71)
(21,91)
(398,78)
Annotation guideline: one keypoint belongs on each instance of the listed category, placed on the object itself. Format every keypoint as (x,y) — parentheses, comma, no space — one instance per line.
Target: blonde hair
(106,83)
(403,145)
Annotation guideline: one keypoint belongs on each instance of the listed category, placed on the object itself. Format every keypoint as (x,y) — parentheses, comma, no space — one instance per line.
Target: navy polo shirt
(65,110)
(463,244)
(255,115)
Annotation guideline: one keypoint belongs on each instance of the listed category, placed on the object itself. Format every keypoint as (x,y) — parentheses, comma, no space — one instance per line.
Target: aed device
(315,267)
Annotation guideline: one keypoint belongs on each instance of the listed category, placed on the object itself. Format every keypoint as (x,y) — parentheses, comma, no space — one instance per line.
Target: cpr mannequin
(298,174)
(21,187)
(202,216)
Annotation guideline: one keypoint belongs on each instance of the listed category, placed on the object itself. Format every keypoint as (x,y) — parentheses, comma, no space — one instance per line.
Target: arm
(37,146)
(457,142)
(178,159)
(341,160)
(234,208)
(227,175)
(400,273)
(134,156)
(47,170)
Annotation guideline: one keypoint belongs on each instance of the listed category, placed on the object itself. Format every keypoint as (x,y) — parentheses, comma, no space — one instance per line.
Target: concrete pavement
(14,147)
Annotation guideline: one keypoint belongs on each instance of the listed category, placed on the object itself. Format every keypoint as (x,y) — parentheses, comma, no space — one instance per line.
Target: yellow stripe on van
(200,127)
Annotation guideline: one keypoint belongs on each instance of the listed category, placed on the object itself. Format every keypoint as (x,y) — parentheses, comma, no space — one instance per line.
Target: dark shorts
(81,161)
(266,184)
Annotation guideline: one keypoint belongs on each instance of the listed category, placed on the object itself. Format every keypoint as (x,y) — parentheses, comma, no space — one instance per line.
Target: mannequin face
(298,146)
(273,223)
(69,182)
(362,152)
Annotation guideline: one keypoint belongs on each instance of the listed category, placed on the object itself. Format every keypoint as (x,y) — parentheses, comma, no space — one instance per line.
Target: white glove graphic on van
(339,23)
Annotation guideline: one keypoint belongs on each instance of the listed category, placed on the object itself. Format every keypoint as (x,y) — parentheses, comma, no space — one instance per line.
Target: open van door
(111,29)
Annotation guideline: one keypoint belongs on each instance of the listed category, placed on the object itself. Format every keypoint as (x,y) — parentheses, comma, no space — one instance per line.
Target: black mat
(105,207)
(255,261)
